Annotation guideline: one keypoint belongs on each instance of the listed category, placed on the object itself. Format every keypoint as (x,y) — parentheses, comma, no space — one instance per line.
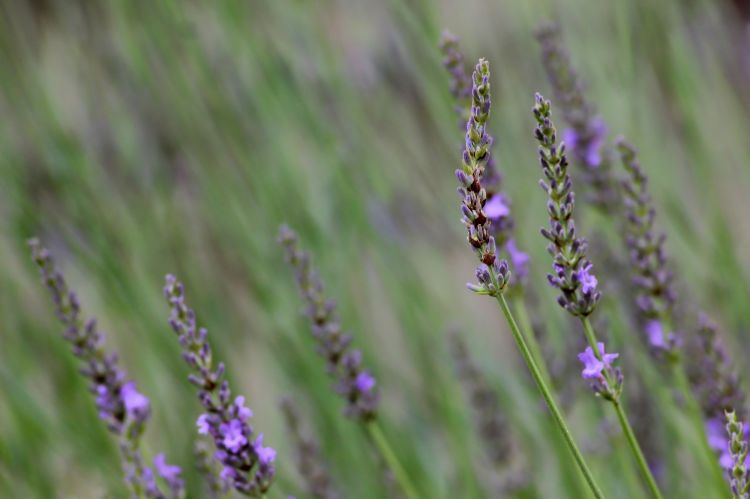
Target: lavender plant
(655,294)
(738,477)
(246,463)
(587,134)
(355,384)
(573,274)
(310,462)
(492,426)
(121,406)
(654,291)
(497,207)
(492,273)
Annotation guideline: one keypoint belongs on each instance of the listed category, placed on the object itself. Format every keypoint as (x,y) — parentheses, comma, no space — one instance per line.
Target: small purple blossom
(587,279)
(136,404)
(593,366)
(495,208)
(589,150)
(233,435)
(243,413)
(364,382)
(519,261)
(171,474)
(597,368)
(655,333)
(266,455)
(203,425)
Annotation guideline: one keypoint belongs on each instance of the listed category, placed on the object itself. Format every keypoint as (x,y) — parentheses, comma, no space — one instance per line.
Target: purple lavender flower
(738,450)
(355,385)
(599,370)
(493,274)
(497,204)
(247,466)
(587,131)
(519,261)
(655,295)
(310,462)
(121,406)
(572,271)
(171,475)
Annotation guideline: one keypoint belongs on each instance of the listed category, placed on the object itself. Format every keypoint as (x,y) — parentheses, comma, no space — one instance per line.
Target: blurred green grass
(176,137)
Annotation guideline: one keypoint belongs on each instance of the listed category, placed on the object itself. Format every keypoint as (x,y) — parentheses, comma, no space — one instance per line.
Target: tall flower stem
(547,394)
(695,415)
(378,437)
(521,311)
(624,424)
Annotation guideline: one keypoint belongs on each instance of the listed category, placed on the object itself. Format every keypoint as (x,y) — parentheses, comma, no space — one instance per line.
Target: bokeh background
(138,139)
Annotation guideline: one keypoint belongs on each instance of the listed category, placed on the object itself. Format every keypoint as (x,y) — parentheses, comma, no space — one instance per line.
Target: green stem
(626,428)
(390,458)
(695,415)
(537,375)
(519,307)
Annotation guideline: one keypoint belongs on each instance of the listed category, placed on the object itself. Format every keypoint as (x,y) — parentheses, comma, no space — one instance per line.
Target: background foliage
(140,139)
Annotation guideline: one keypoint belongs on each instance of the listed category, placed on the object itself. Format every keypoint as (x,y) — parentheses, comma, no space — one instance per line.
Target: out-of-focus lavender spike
(497,206)
(355,384)
(572,271)
(492,274)
(123,409)
(310,464)
(648,260)
(738,451)
(712,376)
(460,83)
(587,133)
(208,467)
(247,464)
(492,427)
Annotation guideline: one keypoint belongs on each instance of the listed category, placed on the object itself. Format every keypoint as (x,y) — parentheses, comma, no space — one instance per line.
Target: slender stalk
(696,418)
(519,307)
(624,424)
(390,458)
(538,378)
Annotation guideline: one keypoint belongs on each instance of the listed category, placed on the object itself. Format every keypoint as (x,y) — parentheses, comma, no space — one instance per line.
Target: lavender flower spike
(247,464)
(572,271)
(491,425)
(587,132)
(124,410)
(310,463)
(497,206)
(460,84)
(648,260)
(492,274)
(353,383)
(738,449)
